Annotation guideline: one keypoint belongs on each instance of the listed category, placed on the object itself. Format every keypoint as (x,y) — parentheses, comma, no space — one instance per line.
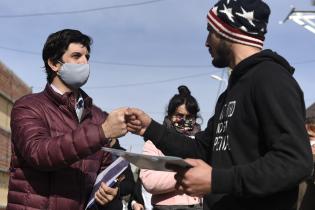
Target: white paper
(158,163)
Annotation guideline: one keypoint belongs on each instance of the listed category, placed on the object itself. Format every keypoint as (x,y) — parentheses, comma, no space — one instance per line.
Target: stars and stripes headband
(241,21)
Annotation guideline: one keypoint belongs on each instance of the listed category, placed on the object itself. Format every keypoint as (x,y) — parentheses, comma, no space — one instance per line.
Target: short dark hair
(183,97)
(310,114)
(56,45)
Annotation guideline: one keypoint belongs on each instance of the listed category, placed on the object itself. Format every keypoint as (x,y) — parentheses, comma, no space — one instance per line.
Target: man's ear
(55,67)
(310,129)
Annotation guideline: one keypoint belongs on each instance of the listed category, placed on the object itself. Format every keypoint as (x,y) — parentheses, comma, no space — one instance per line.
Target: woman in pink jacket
(182,113)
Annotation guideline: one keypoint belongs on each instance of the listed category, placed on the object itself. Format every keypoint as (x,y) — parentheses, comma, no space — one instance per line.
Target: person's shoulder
(270,63)
(270,72)
(270,67)
(273,77)
(30,104)
(98,110)
(30,99)
(149,145)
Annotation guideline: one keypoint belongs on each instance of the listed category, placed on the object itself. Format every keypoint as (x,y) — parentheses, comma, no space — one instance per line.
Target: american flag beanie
(241,21)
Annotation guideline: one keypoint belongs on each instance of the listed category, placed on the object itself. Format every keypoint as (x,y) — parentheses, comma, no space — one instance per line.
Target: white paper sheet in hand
(158,163)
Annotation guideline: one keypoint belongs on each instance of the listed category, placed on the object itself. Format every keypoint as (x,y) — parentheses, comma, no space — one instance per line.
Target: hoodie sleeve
(280,111)
(175,144)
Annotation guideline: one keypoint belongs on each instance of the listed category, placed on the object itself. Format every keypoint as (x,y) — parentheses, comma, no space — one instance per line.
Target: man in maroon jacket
(57,134)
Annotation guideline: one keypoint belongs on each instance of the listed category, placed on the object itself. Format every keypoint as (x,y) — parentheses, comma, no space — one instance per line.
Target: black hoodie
(256,142)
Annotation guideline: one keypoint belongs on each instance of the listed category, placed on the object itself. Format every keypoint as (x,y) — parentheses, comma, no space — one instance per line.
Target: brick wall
(11,88)
(10,85)
(5,150)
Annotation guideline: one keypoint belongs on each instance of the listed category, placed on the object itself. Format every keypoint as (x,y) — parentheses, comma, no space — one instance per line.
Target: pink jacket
(162,184)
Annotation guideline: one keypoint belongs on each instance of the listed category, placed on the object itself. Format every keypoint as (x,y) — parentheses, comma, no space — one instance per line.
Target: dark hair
(56,45)
(310,114)
(183,97)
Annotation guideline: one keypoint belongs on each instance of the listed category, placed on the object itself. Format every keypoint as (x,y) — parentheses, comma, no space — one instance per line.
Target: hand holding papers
(158,163)
(110,176)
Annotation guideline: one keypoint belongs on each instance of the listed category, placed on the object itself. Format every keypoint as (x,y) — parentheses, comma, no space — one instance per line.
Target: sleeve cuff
(222,180)
(132,203)
(104,140)
(153,131)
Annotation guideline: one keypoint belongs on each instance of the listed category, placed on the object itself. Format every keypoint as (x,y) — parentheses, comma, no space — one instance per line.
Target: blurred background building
(11,88)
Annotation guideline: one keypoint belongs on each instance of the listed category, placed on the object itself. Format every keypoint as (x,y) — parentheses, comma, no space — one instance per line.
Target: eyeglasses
(179,116)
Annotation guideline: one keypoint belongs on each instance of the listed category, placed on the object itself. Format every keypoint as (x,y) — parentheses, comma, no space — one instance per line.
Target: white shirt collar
(56,89)
(79,106)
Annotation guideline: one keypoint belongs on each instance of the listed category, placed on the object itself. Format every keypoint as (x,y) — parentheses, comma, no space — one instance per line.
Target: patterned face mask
(188,127)
(183,124)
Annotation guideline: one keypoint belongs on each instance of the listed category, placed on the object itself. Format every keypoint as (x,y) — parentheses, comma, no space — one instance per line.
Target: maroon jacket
(55,159)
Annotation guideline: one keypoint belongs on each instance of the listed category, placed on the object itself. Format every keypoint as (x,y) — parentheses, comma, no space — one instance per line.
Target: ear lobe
(54,67)
(310,130)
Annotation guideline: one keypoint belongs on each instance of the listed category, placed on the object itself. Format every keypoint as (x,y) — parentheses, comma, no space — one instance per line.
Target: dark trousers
(178,207)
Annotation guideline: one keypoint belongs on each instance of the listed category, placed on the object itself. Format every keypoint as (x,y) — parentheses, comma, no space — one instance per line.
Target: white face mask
(74,75)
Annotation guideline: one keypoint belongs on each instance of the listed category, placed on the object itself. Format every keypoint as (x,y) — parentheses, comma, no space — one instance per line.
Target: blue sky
(141,54)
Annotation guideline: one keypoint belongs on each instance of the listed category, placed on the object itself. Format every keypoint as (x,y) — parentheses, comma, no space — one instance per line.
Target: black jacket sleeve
(126,186)
(136,195)
(176,144)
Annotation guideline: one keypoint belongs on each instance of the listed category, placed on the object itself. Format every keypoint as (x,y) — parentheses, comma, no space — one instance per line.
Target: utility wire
(143,83)
(139,64)
(151,65)
(304,62)
(81,11)
(118,63)
(148,83)
(20,51)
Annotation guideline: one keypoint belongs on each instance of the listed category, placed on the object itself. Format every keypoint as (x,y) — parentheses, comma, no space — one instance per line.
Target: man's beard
(223,56)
